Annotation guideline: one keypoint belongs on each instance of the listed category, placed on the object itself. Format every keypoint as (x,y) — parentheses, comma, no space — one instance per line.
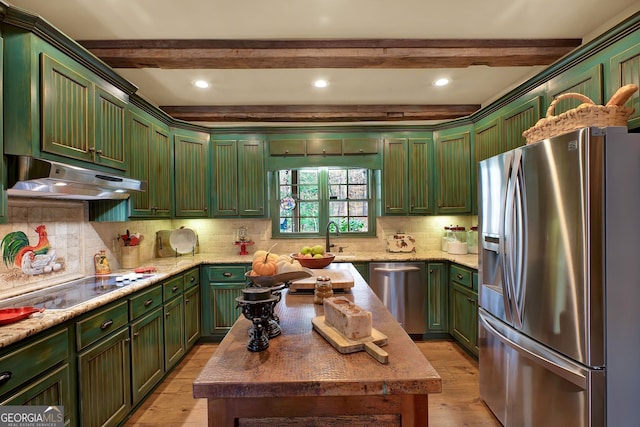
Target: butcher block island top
(302,380)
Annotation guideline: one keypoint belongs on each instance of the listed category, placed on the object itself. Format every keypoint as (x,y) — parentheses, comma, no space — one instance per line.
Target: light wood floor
(172,403)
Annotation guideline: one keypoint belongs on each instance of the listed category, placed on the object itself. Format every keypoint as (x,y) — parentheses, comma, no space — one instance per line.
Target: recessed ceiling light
(321,83)
(441,82)
(202,84)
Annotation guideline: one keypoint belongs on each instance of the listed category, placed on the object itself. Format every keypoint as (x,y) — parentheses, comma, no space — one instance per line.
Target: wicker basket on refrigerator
(614,113)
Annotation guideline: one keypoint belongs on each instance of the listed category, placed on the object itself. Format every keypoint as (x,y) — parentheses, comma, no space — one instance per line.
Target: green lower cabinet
(437,300)
(147,354)
(363,269)
(105,381)
(174,342)
(464,316)
(222,284)
(191,316)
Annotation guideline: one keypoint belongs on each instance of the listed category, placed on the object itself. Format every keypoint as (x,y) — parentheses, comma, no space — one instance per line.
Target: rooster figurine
(31,259)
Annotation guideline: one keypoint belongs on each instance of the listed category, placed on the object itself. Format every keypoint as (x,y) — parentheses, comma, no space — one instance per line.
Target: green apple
(317,250)
(305,250)
(318,256)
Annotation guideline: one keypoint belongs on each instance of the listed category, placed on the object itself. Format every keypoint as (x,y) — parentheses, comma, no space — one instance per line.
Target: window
(311,197)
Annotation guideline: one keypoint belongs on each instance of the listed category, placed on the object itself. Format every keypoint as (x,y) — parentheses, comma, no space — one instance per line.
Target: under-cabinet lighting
(321,83)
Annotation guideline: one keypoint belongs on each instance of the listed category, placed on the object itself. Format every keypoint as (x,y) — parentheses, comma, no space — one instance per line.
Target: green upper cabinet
(151,161)
(239,177)
(394,176)
(585,79)
(73,113)
(453,169)
(406,182)
(625,69)
(3,166)
(523,115)
(191,174)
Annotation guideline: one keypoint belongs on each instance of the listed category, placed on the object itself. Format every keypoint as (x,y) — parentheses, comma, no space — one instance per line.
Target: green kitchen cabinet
(191,174)
(147,341)
(45,380)
(437,299)
(174,342)
(586,79)
(517,119)
(66,111)
(239,177)
(222,284)
(105,380)
(463,307)
(453,168)
(3,167)
(407,178)
(623,69)
(191,316)
(150,161)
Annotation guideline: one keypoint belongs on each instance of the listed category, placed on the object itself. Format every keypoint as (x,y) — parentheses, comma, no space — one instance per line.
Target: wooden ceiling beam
(318,113)
(369,53)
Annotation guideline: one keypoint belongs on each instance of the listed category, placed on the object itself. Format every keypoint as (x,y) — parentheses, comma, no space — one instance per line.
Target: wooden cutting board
(340,279)
(345,345)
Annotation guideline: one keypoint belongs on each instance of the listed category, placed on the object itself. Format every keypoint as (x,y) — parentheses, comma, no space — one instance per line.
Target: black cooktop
(72,293)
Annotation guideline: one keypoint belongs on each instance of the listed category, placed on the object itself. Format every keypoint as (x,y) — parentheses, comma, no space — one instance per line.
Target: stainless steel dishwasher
(401,288)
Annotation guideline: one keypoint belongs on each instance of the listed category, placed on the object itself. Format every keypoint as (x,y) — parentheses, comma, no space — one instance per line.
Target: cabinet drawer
(30,360)
(360,146)
(101,324)
(191,278)
(145,302)
(460,275)
(173,287)
(226,274)
(287,147)
(324,147)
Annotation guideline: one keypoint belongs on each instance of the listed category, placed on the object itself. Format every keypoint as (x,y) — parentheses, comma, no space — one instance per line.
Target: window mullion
(323,200)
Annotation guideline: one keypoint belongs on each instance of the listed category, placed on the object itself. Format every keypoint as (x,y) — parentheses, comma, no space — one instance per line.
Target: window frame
(323,209)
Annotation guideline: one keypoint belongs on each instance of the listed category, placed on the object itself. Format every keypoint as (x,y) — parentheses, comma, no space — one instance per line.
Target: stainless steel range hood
(32,177)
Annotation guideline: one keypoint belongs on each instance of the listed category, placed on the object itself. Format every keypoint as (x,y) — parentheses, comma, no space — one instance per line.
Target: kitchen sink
(67,295)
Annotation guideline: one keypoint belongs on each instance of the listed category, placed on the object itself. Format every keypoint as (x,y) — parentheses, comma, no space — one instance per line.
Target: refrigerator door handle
(562,368)
(518,242)
(503,256)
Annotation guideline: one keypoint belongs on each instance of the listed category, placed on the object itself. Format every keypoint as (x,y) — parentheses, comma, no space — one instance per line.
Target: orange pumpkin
(265,265)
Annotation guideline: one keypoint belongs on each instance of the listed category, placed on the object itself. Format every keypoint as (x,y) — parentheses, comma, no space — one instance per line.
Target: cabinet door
(226,178)
(174,341)
(109,130)
(251,178)
(139,136)
(420,176)
(454,173)
(52,389)
(437,298)
(147,354)
(161,167)
(192,316)
(517,120)
(623,71)
(105,381)
(394,177)
(67,105)
(464,316)
(222,304)
(191,178)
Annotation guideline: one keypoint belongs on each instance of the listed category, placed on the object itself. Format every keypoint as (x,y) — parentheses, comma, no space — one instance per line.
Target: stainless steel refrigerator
(559,296)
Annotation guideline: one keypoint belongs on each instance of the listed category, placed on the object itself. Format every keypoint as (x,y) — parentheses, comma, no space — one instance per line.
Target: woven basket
(585,115)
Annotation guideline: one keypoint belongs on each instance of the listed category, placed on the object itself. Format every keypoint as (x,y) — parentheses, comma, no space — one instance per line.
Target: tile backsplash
(76,240)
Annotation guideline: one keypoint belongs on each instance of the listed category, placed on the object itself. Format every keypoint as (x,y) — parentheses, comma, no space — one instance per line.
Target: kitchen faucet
(327,244)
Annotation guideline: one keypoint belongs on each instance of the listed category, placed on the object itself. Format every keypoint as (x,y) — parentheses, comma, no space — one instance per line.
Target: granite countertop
(167,267)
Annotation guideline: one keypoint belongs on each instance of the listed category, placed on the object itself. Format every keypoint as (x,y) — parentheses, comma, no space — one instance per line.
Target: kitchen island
(302,380)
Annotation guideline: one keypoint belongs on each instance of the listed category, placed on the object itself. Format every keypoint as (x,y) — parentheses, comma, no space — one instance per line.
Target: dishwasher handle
(396,269)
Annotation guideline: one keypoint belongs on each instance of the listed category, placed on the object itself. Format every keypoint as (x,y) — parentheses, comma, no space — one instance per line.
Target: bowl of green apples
(314,257)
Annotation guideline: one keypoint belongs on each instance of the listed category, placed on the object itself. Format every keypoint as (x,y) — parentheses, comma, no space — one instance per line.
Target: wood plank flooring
(172,403)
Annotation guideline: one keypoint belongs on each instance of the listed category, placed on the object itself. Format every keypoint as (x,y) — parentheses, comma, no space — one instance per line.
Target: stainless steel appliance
(558,268)
(400,287)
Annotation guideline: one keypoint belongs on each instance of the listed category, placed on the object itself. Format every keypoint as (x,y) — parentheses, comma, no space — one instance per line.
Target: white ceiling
(329,19)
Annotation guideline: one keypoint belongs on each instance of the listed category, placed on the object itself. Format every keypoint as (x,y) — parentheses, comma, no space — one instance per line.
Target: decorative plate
(287,203)
(183,240)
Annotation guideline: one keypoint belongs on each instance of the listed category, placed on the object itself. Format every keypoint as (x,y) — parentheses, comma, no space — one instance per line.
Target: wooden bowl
(315,262)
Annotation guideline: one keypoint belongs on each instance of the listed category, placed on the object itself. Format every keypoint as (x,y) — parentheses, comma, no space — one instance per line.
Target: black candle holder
(257,306)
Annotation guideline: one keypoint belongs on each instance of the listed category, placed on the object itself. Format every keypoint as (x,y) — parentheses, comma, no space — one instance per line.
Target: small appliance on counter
(401,242)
